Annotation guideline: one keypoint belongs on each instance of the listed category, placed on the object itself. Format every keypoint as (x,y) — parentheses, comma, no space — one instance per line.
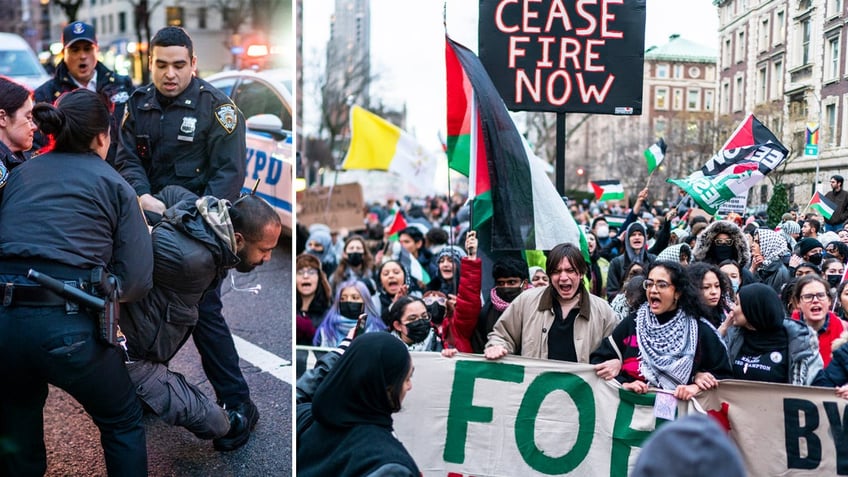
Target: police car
(265,101)
(17,61)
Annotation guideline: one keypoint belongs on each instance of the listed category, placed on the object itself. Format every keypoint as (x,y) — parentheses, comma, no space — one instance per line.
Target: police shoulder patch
(227,117)
(4,174)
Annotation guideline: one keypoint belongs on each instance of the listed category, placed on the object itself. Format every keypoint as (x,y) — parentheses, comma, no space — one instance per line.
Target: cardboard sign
(339,207)
(564,56)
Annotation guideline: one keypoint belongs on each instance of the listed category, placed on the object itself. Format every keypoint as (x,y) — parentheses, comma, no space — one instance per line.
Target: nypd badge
(188,125)
(226,114)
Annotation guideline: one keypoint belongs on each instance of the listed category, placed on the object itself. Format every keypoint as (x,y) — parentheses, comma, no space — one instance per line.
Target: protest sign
(341,206)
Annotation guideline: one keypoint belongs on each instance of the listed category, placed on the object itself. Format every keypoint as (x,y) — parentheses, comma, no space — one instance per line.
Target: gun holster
(106,286)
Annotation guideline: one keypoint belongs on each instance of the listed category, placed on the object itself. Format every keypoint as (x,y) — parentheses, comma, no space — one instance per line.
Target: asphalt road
(262,325)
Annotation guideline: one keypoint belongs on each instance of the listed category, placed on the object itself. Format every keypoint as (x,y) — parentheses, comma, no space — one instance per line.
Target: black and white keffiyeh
(667,351)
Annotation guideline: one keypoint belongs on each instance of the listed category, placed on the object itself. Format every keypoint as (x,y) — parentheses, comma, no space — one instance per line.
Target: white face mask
(602,231)
(735,284)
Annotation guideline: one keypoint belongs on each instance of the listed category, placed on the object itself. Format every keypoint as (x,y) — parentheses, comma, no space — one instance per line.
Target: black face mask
(834,280)
(723,252)
(351,309)
(815,259)
(355,258)
(508,294)
(436,312)
(418,330)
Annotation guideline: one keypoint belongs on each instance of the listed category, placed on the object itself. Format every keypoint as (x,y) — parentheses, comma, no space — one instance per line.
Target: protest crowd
(670,298)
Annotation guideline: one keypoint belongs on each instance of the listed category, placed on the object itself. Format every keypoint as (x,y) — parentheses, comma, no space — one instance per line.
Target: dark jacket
(188,259)
(836,373)
(8,161)
(197,141)
(111,86)
(840,212)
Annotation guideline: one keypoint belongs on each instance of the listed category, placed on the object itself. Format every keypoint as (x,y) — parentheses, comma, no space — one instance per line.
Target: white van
(18,61)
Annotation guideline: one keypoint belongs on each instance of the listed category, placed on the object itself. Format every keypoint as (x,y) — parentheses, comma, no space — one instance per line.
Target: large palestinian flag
(506,180)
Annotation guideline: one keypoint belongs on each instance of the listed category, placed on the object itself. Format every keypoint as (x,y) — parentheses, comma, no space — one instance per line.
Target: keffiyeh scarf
(667,351)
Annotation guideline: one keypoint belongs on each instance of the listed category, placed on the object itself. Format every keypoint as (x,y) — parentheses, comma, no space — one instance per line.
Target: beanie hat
(790,227)
(807,244)
(454,252)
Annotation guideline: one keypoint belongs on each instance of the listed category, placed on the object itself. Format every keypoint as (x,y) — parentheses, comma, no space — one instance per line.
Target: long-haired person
(313,296)
(65,213)
(351,300)
(357,263)
(16,126)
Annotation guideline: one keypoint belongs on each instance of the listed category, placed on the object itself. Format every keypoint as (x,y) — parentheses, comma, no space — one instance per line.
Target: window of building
(740,47)
(763,38)
(709,100)
(122,22)
(111,23)
(693,99)
(201,18)
(762,85)
(738,94)
(659,127)
(834,8)
(780,27)
(661,98)
(804,54)
(662,71)
(725,97)
(830,124)
(777,80)
(677,104)
(726,53)
(678,71)
(831,59)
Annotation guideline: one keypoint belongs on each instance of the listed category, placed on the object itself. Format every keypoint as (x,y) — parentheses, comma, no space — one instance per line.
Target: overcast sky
(407,50)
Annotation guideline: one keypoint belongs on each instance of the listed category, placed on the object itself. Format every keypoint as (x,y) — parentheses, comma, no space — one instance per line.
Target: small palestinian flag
(822,205)
(398,224)
(608,190)
(655,155)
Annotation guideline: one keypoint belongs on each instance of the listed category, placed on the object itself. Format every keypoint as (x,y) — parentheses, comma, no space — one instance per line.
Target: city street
(262,326)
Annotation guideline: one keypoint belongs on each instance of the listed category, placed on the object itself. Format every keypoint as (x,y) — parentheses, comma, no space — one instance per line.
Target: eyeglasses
(809,297)
(413,318)
(660,284)
(308,272)
(723,241)
(429,300)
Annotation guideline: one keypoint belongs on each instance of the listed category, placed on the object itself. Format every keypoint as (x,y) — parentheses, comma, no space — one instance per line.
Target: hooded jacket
(703,251)
(619,264)
(189,257)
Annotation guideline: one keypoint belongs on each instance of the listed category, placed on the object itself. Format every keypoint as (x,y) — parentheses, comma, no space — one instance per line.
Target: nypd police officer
(180,130)
(79,68)
(65,213)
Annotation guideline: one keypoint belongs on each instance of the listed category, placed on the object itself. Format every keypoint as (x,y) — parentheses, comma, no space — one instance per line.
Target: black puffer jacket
(188,260)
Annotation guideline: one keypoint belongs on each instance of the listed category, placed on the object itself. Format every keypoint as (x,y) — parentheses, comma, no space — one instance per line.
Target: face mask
(351,309)
(418,330)
(355,258)
(834,280)
(602,231)
(723,252)
(735,285)
(815,259)
(508,294)
(436,312)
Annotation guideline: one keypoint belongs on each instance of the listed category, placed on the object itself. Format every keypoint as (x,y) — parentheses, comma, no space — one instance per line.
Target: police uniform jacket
(188,257)
(74,209)
(197,141)
(110,85)
(8,161)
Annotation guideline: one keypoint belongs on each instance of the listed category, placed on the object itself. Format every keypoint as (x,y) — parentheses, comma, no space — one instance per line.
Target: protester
(392,282)
(807,268)
(733,272)
(410,322)
(810,228)
(665,344)
(767,260)
(839,197)
(842,301)
(806,250)
(723,240)
(66,213)
(351,300)
(319,244)
(448,263)
(345,406)
(680,253)
(715,290)
(691,446)
(356,263)
(312,297)
(562,321)
(511,277)
(838,250)
(621,305)
(598,268)
(766,346)
(811,303)
(16,126)
(634,251)
(463,324)
(538,277)
(835,375)
(412,240)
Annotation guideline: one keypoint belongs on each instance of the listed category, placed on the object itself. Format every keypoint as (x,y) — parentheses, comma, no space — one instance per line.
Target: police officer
(79,68)
(180,130)
(16,126)
(63,214)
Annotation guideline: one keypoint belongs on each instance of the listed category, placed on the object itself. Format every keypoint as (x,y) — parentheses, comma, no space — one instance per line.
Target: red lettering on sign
(569,48)
(514,50)
(499,17)
(592,90)
(558,11)
(527,15)
(607,17)
(591,55)
(590,19)
(546,62)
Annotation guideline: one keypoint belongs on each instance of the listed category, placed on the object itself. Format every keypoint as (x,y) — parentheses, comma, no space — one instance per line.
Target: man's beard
(244,266)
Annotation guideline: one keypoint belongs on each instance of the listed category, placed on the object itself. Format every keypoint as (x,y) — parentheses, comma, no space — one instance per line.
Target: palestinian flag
(398,224)
(822,205)
(506,180)
(655,155)
(751,152)
(608,190)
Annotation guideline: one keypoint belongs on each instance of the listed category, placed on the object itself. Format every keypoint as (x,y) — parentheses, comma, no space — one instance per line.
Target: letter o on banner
(525,422)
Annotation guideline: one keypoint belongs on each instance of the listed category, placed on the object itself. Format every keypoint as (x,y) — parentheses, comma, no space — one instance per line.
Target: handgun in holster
(107,318)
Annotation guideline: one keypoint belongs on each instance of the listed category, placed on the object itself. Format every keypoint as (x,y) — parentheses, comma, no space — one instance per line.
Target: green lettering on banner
(525,422)
(792,409)
(839,432)
(624,437)
(462,411)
